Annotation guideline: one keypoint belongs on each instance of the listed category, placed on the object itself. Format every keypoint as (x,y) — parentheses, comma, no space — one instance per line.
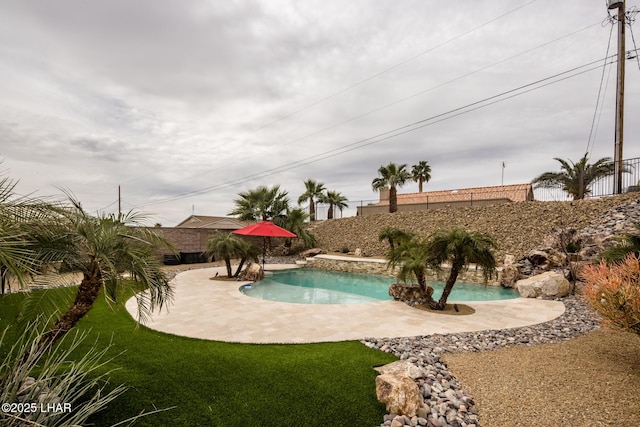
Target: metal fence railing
(600,188)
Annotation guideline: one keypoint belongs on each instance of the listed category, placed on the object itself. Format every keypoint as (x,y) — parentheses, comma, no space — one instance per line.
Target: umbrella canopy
(264,229)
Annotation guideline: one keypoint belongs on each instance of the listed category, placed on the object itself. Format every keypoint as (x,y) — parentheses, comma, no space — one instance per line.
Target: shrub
(614,291)
(48,387)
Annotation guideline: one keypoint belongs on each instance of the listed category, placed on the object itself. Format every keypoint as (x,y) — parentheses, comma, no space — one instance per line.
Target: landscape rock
(546,285)
(399,393)
(253,272)
(412,294)
(402,368)
(312,252)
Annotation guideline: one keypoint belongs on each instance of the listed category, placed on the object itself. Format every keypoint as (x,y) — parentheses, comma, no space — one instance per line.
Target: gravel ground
(592,380)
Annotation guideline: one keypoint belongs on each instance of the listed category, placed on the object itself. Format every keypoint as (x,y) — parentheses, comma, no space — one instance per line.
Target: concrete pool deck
(217,310)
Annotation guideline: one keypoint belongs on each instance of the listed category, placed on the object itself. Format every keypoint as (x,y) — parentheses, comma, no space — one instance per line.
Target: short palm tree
(295,223)
(628,243)
(225,246)
(391,176)
(409,257)
(394,236)
(313,190)
(421,173)
(333,199)
(459,248)
(576,178)
(113,253)
(247,251)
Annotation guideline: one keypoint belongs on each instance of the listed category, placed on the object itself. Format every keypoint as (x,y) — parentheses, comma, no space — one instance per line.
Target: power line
(595,111)
(394,132)
(386,70)
(443,84)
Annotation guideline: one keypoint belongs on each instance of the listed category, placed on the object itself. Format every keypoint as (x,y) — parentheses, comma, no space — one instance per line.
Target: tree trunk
(420,185)
(393,199)
(330,211)
(448,287)
(3,276)
(239,269)
(87,294)
(227,263)
(312,210)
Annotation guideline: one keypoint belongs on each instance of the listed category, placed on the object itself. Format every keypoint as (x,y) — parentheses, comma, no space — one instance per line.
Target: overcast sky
(166,98)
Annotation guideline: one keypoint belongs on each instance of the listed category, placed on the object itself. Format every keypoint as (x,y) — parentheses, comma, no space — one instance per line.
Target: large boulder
(407,293)
(399,393)
(510,272)
(401,367)
(546,285)
(311,252)
(253,272)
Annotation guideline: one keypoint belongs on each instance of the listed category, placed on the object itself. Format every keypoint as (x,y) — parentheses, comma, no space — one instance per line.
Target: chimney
(384,195)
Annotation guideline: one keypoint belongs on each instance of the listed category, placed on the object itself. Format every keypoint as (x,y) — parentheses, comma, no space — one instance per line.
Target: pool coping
(217,310)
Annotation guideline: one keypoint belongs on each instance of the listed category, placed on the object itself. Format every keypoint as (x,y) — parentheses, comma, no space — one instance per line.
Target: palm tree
(225,246)
(391,176)
(22,219)
(421,173)
(246,252)
(113,253)
(394,236)
(262,203)
(313,190)
(576,178)
(627,243)
(409,256)
(459,248)
(295,223)
(334,199)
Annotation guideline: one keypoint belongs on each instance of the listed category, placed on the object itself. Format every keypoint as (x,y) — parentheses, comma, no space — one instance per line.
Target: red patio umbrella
(264,229)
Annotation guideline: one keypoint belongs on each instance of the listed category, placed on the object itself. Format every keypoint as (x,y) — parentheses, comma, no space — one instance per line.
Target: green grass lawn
(215,383)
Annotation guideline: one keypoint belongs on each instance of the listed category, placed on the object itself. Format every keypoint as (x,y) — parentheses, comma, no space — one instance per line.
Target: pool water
(312,286)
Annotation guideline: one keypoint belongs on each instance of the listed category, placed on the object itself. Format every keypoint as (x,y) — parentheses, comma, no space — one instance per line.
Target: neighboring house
(463,197)
(219,223)
(190,236)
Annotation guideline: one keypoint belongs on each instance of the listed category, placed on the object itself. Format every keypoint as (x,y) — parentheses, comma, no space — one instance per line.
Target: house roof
(212,222)
(515,193)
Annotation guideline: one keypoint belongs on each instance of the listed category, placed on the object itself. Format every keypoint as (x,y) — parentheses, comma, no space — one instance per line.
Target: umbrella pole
(264,250)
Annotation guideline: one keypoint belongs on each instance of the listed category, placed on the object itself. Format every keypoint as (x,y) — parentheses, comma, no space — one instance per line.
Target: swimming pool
(313,286)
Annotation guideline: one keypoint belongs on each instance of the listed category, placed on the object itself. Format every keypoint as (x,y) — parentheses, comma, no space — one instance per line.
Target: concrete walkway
(217,310)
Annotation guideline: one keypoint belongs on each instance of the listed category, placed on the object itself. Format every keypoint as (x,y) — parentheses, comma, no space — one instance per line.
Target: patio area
(217,310)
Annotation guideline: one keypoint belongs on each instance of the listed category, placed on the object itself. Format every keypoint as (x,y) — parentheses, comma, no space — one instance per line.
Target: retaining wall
(379,266)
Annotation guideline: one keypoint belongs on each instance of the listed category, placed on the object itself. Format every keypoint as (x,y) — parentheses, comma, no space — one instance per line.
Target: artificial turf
(222,384)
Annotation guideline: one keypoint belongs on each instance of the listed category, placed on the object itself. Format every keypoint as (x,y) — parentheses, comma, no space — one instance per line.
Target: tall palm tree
(459,248)
(391,176)
(313,190)
(112,252)
(421,173)
(576,178)
(262,203)
(333,199)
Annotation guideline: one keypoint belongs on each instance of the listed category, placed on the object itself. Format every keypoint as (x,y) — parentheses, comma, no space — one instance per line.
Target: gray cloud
(167,98)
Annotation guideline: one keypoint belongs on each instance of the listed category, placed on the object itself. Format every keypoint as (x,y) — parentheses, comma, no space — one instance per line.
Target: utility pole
(617,155)
(119,203)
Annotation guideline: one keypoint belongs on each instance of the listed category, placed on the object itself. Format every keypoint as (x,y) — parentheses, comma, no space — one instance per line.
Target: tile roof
(212,222)
(515,193)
